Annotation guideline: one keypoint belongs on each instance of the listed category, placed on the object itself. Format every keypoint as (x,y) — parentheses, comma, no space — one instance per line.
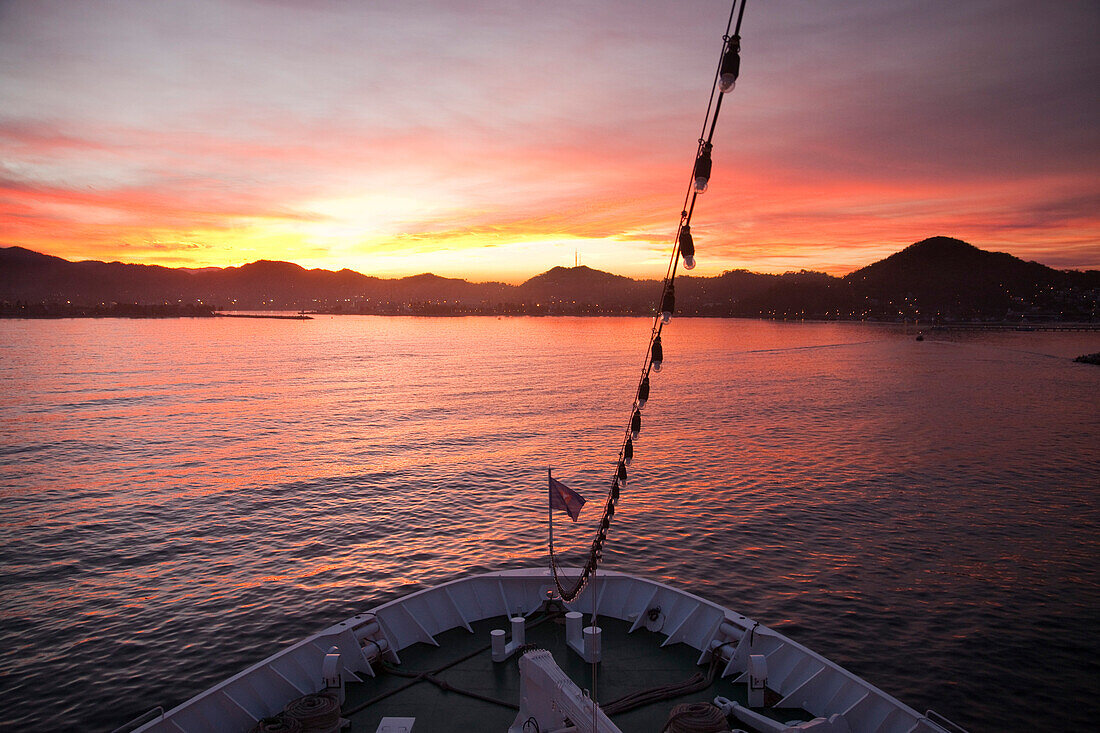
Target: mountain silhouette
(939,276)
(586,287)
(947,275)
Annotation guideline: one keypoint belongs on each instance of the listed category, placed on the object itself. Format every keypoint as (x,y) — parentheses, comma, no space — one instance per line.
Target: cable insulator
(628,451)
(657,354)
(687,247)
(731,65)
(702,168)
(668,303)
(635,424)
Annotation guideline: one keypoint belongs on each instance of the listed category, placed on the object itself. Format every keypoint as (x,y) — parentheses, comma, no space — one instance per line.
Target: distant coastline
(133,310)
(939,280)
(46,311)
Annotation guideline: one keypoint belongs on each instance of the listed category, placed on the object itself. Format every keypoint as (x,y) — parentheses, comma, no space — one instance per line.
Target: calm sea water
(181,498)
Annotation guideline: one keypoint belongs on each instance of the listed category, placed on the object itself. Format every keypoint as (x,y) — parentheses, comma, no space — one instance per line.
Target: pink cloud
(856,128)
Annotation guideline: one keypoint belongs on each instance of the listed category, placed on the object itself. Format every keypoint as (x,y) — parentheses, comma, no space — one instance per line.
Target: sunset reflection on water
(182,498)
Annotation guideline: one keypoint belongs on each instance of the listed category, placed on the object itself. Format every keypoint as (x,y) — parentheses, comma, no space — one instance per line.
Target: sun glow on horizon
(495,156)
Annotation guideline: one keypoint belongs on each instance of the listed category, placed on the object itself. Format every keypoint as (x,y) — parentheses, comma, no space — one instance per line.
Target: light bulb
(656,366)
(687,247)
(702,167)
(668,304)
(731,65)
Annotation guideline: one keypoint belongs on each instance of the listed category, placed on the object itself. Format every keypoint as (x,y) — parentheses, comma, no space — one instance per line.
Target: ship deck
(442,635)
(631,662)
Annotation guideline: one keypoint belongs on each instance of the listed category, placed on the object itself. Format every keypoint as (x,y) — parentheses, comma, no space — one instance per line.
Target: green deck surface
(631,662)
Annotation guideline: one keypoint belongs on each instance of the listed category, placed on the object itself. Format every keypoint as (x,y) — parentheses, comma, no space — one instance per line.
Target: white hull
(801,677)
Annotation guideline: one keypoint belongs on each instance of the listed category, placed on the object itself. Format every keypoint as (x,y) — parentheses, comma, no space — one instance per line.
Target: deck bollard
(497,638)
(518,630)
(585,642)
(501,648)
(593,636)
(573,625)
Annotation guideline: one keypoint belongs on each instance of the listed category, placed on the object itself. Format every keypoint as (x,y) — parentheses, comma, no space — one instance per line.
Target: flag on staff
(564,498)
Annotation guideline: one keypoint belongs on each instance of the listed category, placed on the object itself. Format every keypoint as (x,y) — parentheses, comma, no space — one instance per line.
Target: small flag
(564,498)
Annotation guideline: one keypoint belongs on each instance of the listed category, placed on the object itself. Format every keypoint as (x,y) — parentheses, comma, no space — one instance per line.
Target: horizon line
(556,267)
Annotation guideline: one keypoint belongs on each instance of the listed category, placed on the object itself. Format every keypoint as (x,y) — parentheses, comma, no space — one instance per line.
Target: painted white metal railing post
(331,677)
(758,679)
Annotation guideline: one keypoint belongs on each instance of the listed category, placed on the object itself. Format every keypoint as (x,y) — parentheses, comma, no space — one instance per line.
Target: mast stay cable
(724,77)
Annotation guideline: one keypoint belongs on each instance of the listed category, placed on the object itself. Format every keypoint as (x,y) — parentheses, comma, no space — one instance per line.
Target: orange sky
(494,140)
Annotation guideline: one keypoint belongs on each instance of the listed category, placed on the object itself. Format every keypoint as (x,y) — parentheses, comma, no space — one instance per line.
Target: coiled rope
(683,245)
(641,698)
(314,713)
(696,717)
(317,712)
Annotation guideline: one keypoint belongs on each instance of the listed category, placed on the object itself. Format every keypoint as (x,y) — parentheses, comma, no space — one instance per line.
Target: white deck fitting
(801,677)
(548,696)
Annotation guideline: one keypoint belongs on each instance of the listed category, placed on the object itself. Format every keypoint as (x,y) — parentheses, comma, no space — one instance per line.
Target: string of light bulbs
(725,79)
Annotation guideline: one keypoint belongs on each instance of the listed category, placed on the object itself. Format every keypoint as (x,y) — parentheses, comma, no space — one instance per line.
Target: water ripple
(181,499)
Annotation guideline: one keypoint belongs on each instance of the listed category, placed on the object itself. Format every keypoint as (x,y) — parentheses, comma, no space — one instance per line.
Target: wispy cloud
(494,138)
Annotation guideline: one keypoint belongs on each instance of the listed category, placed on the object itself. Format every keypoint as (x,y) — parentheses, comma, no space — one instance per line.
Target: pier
(280,316)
